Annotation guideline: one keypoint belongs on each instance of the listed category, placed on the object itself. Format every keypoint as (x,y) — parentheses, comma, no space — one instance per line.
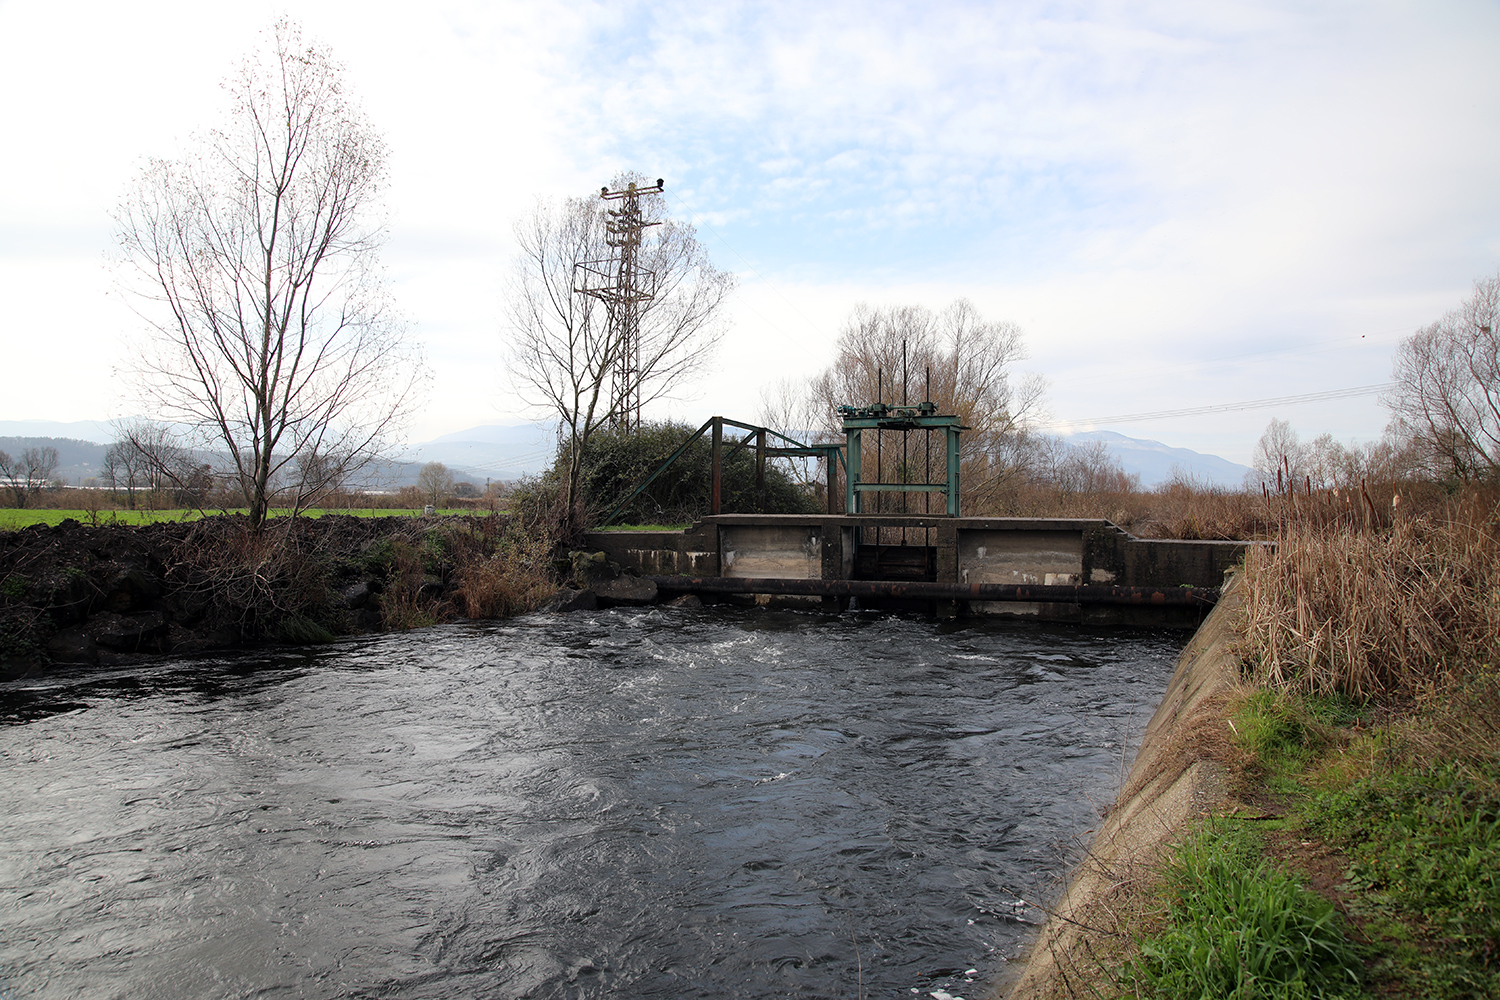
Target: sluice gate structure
(1044,568)
(1047,568)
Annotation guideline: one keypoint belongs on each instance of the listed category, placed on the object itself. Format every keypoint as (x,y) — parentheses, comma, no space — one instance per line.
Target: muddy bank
(117,594)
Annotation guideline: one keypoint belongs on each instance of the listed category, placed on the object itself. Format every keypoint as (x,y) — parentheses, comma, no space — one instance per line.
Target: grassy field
(14,520)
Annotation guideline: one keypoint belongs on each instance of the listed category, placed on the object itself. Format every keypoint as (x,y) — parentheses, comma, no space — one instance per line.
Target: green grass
(1406,808)
(1419,830)
(14,519)
(1424,850)
(1239,928)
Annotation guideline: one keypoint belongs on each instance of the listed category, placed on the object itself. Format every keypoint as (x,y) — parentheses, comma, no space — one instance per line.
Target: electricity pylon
(622,285)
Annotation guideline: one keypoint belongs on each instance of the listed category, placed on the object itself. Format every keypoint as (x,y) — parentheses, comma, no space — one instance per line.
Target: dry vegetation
(1178,509)
(1363,762)
(1374,600)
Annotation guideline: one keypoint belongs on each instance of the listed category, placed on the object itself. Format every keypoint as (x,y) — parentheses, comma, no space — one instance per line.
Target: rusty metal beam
(760,464)
(1081,594)
(716,464)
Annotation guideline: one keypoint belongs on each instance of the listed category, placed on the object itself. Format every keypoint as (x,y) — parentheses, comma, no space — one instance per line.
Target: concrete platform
(993,552)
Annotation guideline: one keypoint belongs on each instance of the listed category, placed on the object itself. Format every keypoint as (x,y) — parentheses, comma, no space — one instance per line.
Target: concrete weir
(1050,568)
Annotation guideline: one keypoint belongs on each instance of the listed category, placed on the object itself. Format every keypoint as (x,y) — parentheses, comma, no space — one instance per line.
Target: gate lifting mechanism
(880,417)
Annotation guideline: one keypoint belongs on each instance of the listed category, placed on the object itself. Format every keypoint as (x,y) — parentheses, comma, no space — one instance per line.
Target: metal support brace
(833,454)
(717,464)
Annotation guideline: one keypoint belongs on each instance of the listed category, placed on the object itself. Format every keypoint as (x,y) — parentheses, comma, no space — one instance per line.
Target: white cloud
(1144,186)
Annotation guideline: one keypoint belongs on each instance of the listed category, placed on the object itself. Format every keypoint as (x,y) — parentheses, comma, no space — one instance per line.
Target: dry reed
(1367,599)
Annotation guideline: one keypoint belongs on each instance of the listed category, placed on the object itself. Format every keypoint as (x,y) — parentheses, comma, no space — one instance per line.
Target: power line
(1249,404)
(1227,361)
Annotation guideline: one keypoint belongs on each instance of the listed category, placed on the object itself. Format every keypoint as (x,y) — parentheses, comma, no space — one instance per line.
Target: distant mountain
(76,460)
(97,431)
(1156,463)
(492,451)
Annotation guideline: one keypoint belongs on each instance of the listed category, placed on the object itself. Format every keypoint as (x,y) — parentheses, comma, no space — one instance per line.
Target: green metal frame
(880,417)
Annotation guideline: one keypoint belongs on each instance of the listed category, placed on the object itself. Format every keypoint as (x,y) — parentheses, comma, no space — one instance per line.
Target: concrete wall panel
(756,551)
(1020,557)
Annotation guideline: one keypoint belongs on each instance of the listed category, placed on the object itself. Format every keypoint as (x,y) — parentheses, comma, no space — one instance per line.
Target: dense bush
(616,463)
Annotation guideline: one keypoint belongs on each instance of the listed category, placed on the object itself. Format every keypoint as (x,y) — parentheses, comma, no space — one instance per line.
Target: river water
(631,803)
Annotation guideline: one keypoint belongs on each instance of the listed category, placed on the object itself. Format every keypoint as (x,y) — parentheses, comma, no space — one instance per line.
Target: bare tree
(1447,385)
(564,353)
(123,469)
(1278,455)
(435,482)
(146,457)
(273,338)
(1090,468)
(957,359)
(787,406)
(28,474)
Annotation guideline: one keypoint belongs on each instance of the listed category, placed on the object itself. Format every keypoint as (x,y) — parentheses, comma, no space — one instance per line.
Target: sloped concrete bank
(1174,780)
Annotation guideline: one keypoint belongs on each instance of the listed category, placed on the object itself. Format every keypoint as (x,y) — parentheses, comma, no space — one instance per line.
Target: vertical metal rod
(953,484)
(716,464)
(879,452)
(851,475)
(904,435)
(760,464)
(927,462)
(833,477)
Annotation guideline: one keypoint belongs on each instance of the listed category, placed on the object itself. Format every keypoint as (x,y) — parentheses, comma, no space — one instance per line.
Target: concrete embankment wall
(1173,781)
(1003,550)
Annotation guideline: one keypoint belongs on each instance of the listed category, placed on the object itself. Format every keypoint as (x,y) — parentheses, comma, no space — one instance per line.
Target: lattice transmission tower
(622,284)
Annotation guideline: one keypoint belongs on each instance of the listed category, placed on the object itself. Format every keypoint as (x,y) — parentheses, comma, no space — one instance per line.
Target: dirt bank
(117,594)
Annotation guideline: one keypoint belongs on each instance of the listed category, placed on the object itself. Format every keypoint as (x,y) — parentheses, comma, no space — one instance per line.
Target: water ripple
(627,803)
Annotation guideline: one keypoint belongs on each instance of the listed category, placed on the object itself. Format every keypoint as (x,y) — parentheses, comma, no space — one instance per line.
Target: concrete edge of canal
(1171,783)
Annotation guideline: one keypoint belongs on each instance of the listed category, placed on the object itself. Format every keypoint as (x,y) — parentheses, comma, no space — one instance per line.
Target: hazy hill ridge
(507,452)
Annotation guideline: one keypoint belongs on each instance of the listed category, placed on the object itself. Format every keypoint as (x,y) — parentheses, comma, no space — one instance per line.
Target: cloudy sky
(1183,204)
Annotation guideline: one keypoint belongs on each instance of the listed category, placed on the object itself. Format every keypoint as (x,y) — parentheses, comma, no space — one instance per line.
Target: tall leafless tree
(434,481)
(563,351)
(28,473)
(956,358)
(273,341)
(1280,459)
(124,468)
(1447,386)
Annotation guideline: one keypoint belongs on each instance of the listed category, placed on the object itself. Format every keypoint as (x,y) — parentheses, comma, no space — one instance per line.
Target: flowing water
(632,803)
